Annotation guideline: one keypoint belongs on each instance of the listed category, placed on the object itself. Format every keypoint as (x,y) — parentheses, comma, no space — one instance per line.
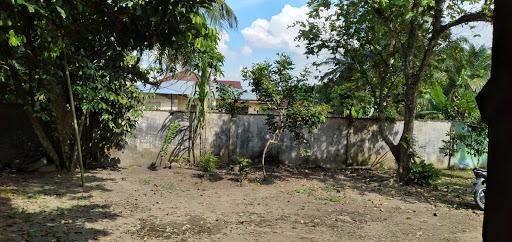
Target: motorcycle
(479,184)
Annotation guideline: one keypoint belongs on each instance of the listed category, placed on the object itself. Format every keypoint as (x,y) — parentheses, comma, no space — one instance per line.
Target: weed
(423,174)
(308,191)
(209,162)
(244,168)
(330,187)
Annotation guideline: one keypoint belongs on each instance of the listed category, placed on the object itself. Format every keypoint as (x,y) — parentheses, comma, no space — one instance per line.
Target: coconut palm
(458,75)
(221,15)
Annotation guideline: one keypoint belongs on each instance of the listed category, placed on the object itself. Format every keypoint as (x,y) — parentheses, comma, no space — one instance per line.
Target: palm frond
(221,15)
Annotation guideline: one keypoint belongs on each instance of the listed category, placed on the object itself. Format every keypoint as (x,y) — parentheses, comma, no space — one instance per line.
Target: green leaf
(438,96)
(15,40)
(61,11)
(30,7)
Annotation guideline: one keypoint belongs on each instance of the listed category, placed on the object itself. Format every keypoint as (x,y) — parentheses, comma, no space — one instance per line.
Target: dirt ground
(179,204)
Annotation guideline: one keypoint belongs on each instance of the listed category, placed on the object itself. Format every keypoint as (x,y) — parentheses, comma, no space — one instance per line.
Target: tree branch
(411,39)
(480,16)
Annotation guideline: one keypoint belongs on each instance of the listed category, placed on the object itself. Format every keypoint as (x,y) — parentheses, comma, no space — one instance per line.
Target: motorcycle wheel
(479,197)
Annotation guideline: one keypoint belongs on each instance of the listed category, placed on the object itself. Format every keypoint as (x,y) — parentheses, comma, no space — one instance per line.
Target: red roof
(188,76)
(234,84)
(185,76)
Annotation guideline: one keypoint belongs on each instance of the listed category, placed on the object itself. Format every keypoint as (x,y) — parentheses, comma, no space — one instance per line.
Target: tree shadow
(22,218)
(382,183)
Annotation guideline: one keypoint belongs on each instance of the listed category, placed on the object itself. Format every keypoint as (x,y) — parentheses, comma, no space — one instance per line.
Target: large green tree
(100,45)
(390,45)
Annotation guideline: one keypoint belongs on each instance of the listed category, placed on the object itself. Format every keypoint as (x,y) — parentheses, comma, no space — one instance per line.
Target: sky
(264,31)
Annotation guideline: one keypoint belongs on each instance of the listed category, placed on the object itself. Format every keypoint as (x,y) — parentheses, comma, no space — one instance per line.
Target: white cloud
(223,45)
(276,32)
(246,50)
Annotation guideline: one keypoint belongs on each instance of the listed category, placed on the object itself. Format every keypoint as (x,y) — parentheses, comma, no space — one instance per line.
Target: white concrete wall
(246,135)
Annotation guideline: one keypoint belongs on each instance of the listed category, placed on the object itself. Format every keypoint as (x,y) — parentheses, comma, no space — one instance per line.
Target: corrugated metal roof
(183,87)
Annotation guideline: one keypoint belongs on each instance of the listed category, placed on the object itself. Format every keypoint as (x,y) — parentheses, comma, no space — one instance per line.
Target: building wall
(339,143)
(163,102)
(254,107)
(173,102)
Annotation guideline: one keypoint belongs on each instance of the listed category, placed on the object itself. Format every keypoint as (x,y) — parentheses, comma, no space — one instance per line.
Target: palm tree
(221,15)
(458,74)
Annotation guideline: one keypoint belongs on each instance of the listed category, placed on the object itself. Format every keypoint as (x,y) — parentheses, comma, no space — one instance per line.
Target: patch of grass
(22,193)
(334,198)
(327,193)
(455,178)
(330,187)
(308,191)
(168,186)
(462,174)
(16,212)
(146,180)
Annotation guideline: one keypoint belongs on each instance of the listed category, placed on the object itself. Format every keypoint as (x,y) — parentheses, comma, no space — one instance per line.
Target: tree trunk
(451,147)
(263,157)
(403,151)
(347,141)
(62,128)
(44,140)
(270,141)
(406,144)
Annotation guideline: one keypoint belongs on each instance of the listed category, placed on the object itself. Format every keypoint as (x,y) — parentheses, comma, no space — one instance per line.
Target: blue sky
(263,32)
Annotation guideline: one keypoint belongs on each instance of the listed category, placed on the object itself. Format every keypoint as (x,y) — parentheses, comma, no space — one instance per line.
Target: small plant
(244,167)
(209,162)
(330,187)
(423,174)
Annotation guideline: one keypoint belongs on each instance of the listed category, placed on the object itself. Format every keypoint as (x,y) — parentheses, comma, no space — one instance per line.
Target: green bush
(245,165)
(209,162)
(423,174)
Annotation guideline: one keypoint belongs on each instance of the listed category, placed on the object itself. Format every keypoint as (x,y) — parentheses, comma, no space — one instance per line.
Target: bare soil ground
(136,204)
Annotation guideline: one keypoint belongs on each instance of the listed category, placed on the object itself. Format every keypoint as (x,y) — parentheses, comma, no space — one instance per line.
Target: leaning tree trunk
(406,144)
(43,138)
(270,141)
(403,152)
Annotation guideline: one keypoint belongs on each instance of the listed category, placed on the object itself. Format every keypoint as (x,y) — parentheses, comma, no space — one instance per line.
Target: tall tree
(391,44)
(103,42)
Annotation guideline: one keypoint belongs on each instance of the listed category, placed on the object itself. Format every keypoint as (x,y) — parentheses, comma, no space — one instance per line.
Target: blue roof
(170,87)
(179,87)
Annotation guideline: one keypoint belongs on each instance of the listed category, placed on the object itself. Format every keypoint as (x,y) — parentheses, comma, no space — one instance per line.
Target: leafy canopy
(102,42)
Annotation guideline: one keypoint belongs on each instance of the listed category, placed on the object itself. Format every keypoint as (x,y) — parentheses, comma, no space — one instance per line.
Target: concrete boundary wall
(337,144)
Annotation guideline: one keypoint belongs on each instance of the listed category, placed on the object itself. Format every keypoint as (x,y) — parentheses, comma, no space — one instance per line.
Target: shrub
(209,162)
(245,165)
(423,174)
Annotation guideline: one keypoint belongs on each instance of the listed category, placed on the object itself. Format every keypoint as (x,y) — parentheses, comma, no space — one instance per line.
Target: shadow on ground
(451,191)
(18,223)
